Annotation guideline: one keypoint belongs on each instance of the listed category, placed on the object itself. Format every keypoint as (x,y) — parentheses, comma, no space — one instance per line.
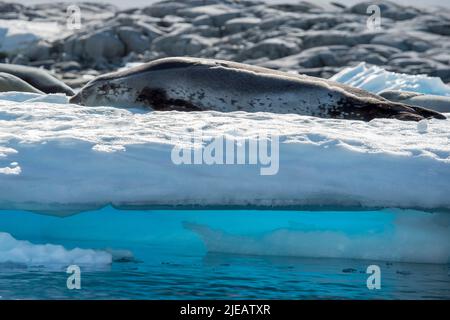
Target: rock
(67,66)
(218,13)
(162,9)
(382,50)
(148,30)
(20,59)
(442,28)
(176,45)
(39,51)
(331,37)
(47,64)
(402,41)
(298,35)
(208,32)
(442,72)
(241,24)
(134,41)
(274,48)
(300,6)
(322,72)
(273,23)
(387,10)
(9,11)
(104,44)
(99,47)
(338,5)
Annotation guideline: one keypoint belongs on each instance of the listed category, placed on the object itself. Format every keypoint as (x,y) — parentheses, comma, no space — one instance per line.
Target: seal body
(433,102)
(9,82)
(38,78)
(192,84)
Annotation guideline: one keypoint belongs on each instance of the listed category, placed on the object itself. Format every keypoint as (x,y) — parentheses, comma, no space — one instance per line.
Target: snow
(70,158)
(17,35)
(422,126)
(29,254)
(376,79)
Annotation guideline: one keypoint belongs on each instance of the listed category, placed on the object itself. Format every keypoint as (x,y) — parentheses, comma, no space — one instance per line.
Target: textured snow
(62,158)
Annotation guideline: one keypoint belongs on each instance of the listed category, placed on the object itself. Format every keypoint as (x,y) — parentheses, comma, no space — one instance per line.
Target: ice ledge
(60,159)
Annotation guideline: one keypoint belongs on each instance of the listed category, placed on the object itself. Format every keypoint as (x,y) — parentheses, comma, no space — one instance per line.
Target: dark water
(171,262)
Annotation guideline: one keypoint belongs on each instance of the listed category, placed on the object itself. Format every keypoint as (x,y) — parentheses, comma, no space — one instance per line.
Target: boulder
(388,9)
(179,45)
(241,24)
(134,40)
(273,48)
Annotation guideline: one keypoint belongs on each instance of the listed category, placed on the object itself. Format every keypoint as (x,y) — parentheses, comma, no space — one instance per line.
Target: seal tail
(407,112)
(428,113)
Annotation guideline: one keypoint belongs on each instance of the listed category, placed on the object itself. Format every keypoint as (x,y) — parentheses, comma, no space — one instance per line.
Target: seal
(9,82)
(38,78)
(193,84)
(433,102)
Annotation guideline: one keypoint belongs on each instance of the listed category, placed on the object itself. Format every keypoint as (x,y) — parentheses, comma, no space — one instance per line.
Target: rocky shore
(302,37)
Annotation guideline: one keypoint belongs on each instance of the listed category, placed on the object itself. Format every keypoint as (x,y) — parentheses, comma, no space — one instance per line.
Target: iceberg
(26,253)
(375,79)
(60,158)
(402,236)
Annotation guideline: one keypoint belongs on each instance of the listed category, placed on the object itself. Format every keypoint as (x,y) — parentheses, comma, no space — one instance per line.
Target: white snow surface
(375,79)
(61,158)
(29,254)
(17,35)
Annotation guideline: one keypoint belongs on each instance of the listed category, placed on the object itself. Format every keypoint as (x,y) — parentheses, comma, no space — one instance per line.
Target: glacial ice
(386,235)
(375,79)
(26,253)
(60,158)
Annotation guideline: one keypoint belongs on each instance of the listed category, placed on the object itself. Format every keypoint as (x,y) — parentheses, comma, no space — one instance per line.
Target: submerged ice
(26,253)
(403,237)
(60,159)
(387,235)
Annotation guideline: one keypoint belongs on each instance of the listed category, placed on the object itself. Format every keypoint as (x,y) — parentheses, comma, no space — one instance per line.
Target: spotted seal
(38,78)
(194,84)
(9,82)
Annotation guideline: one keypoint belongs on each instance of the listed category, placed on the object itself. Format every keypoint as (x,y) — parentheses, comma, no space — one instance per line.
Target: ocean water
(222,259)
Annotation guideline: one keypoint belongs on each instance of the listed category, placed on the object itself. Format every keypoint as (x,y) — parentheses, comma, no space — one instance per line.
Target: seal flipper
(427,113)
(407,112)
(408,116)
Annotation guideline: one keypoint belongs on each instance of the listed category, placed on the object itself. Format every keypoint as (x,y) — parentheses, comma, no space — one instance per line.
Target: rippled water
(173,263)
